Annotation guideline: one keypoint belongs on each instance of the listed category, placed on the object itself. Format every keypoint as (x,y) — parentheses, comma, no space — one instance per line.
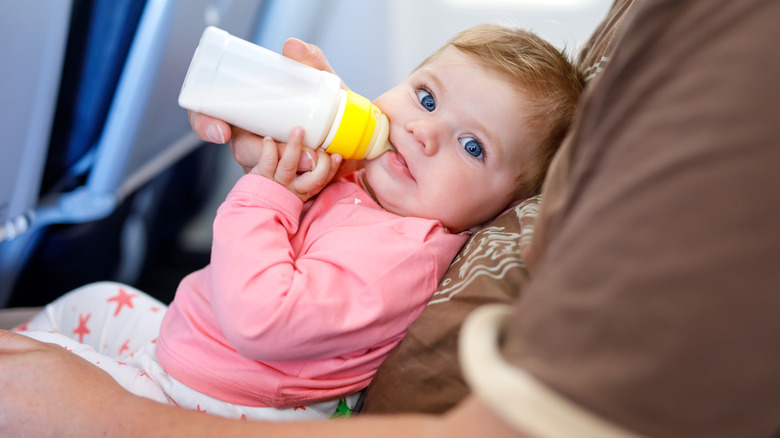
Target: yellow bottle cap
(361,132)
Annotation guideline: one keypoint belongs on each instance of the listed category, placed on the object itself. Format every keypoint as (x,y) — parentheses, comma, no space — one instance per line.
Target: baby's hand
(284,170)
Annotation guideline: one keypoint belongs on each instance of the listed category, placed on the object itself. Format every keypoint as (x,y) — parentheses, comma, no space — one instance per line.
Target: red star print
(82,329)
(123,299)
(200,410)
(124,347)
(303,408)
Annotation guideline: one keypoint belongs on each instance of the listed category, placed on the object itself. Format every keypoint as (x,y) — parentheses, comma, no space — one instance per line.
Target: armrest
(11,317)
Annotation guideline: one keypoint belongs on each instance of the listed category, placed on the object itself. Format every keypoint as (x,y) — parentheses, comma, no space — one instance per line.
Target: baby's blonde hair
(543,74)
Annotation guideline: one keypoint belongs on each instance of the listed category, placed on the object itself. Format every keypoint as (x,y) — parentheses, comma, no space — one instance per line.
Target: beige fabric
(510,391)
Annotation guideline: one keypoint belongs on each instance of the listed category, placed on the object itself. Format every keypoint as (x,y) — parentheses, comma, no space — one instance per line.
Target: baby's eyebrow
(438,84)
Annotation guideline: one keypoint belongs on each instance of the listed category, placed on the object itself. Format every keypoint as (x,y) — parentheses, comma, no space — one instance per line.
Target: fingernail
(307,161)
(214,134)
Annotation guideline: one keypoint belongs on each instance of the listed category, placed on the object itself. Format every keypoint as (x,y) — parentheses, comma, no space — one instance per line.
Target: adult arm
(63,395)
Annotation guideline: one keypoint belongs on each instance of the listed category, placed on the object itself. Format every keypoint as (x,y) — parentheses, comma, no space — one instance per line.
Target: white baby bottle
(268,94)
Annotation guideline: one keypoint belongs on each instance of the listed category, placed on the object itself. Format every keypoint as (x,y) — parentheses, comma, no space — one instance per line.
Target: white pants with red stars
(115,327)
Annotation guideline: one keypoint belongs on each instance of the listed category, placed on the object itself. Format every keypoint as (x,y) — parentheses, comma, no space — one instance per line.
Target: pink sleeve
(339,296)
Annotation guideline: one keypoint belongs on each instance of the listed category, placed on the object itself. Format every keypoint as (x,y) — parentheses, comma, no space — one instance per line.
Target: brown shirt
(654,298)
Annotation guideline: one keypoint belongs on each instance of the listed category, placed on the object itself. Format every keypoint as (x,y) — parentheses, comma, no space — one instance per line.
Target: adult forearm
(47,391)
(133,416)
(150,419)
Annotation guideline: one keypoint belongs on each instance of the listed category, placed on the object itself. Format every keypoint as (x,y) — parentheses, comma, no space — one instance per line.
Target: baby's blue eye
(426,100)
(472,146)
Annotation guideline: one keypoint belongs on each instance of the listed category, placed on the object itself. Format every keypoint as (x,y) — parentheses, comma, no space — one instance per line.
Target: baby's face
(457,127)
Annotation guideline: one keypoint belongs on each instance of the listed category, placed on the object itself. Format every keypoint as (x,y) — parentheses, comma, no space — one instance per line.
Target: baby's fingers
(335,165)
(269,158)
(287,168)
(310,183)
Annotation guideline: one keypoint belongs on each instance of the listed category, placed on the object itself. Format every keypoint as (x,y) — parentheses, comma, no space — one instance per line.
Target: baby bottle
(268,94)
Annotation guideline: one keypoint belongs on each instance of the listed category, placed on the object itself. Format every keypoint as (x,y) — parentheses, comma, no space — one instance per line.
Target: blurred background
(101,177)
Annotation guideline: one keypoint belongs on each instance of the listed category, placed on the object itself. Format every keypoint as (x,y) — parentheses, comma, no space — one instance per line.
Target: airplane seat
(104,170)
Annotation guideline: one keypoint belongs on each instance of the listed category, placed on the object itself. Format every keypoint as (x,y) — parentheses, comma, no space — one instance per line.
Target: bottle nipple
(379,143)
(360,129)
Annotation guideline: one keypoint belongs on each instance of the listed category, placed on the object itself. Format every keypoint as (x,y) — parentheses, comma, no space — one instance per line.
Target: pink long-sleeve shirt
(301,302)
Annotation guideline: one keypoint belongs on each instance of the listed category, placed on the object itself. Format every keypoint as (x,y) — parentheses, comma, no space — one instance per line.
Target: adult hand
(46,391)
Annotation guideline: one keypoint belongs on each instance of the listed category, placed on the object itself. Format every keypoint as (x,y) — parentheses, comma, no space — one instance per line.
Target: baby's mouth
(401,159)
(398,161)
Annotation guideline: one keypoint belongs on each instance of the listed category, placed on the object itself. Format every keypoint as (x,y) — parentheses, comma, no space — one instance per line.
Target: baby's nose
(428,134)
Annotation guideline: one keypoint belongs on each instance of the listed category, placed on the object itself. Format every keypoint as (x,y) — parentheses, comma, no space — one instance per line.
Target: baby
(313,280)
